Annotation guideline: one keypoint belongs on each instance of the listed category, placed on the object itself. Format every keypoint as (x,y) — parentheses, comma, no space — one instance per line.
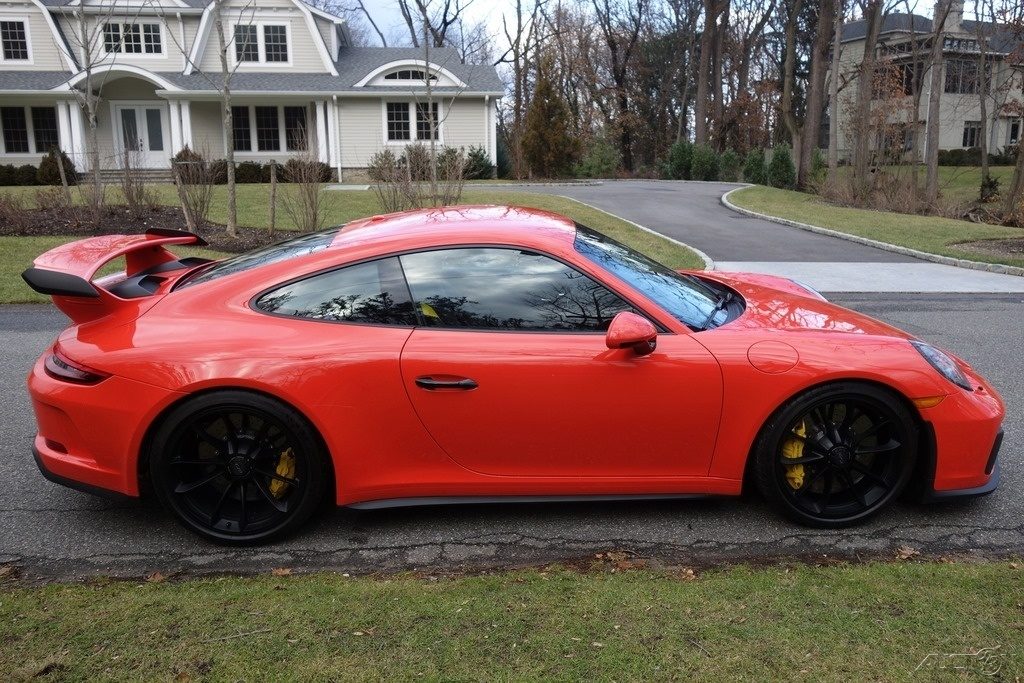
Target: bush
(819,168)
(417,158)
(781,171)
(265,171)
(503,162)
(49,171)
(704,165)
(219,171)
(601,160)
(1007,157)
(478,164)
(6,174)
(187,155)
(960,157)
(680,157)
(754,169)
(729,166)
(301,169)
(25,175)
(249,172)
(989,189)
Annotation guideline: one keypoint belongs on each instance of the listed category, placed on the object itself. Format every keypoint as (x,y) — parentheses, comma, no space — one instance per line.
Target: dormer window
(133,39)
(14,38)
(409,75)
(262,43)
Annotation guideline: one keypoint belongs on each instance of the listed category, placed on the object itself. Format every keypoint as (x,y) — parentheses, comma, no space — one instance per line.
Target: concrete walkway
(693,213)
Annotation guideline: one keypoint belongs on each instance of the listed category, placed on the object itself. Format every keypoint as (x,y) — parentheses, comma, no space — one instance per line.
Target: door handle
(430,384)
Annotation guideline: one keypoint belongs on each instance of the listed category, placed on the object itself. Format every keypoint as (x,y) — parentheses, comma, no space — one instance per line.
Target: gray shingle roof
(1001,37)
(32,80)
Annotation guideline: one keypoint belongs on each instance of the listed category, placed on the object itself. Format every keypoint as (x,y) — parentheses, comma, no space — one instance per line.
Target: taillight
(60,367)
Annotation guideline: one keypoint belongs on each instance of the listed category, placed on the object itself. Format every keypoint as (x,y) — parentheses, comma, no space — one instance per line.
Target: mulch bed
(1012,247)
(117,220)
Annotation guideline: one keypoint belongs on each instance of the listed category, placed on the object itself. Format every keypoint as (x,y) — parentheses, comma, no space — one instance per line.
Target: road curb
(905,251)
(709,263)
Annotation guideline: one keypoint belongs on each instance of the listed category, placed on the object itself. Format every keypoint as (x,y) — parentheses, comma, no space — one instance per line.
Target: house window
(962,77)
(241,129)
(400,115)
(15,128)
(972,133)
(295,128)
(408,75)
(1014,133)
(268,136)
(44,128)
(247,47)
(15,40)
(398,121)
(275,43)
(427,121)
(132,39)
(261,43)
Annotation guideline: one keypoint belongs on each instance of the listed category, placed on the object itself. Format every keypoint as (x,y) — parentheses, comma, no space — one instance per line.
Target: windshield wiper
(723,301)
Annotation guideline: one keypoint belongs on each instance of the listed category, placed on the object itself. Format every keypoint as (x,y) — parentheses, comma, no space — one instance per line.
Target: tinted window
(365,293)
(506,289)
(685,297)
(282,251)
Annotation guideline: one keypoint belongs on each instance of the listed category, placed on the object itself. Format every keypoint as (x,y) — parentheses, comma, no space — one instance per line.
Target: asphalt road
(55,532)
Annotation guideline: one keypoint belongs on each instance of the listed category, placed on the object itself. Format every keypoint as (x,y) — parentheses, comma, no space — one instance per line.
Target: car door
(511,376)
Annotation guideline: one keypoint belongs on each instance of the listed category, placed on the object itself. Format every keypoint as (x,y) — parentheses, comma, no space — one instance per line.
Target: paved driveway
(694,214)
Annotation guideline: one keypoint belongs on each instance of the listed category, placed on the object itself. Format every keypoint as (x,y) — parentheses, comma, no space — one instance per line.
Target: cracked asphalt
(54,532)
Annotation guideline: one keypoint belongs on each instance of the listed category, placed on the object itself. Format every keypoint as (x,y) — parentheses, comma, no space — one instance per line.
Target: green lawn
(926,233)
(16,253)
(862,622)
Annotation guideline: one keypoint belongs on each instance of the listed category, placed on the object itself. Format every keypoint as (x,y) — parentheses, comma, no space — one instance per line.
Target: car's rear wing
(67,272)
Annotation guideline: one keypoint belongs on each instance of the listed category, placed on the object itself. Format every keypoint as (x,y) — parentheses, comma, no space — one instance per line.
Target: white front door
(142,134)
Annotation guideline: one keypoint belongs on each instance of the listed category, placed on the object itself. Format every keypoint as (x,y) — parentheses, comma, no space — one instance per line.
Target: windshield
(282,251)
(688,299)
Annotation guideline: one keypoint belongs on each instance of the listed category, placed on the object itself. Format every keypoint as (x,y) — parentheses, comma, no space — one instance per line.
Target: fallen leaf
(596,644)
(156,577)
(281,571)
(905,552)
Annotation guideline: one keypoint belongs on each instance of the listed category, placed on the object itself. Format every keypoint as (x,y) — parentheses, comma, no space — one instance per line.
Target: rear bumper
(73,484)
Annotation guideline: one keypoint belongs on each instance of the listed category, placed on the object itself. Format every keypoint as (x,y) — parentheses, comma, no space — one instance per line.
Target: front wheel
(836,455)
(237,467)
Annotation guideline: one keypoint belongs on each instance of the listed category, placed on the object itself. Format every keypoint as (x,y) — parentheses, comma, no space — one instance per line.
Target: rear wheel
(836,455)
(237,467)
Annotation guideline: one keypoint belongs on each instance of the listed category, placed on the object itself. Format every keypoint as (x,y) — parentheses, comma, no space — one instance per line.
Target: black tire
(220,463)
(855,456)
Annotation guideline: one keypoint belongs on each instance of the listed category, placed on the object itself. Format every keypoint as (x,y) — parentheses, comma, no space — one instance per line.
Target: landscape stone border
(906,251)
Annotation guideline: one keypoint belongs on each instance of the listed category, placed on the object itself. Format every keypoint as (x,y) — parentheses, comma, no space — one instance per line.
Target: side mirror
(631,331)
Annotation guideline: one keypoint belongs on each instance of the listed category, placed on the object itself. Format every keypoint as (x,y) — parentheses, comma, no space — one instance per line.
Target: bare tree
(935,62)
(873,14)
(620,23)
(523,38)
(816,90)
(833,89)
(712,10)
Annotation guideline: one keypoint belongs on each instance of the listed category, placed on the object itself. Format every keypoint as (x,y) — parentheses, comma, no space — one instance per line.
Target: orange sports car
(475,354)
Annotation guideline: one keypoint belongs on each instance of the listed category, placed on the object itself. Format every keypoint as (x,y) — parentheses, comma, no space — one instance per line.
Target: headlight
(812,290)
(945,365)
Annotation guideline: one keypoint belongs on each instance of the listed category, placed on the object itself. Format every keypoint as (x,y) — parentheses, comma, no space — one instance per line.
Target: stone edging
(709,264)
(906,251)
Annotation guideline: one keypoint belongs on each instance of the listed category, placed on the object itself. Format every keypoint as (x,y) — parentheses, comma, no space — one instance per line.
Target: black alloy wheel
(837,455)
(237,467)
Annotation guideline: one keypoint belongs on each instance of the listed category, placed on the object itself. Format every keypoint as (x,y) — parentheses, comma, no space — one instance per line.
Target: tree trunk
(700,107)
(865,88)
(833,91)
(717,103)
(789,76)
(932,132)
(232,219)
(815,91)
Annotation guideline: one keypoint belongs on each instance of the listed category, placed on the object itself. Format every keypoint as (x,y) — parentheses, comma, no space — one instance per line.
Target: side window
(506,289)
(372,293)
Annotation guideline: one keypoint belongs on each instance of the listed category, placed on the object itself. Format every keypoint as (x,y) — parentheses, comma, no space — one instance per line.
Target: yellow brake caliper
(794,448)
(285,468)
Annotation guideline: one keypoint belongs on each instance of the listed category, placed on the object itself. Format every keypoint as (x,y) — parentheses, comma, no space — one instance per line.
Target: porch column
(186,123)
(321,131)
(78,145)
(175,111)
(64,128)
(334,154)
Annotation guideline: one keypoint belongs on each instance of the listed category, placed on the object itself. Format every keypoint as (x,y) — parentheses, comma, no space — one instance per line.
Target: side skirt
(483,500)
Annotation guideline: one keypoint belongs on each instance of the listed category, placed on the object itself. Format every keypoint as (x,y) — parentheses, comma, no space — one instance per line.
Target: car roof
(460,224)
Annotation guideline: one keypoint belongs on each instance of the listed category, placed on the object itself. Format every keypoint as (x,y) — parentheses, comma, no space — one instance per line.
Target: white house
(296,81)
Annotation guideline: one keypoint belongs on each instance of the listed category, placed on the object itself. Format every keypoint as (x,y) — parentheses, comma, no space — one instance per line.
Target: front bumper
(992,469)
